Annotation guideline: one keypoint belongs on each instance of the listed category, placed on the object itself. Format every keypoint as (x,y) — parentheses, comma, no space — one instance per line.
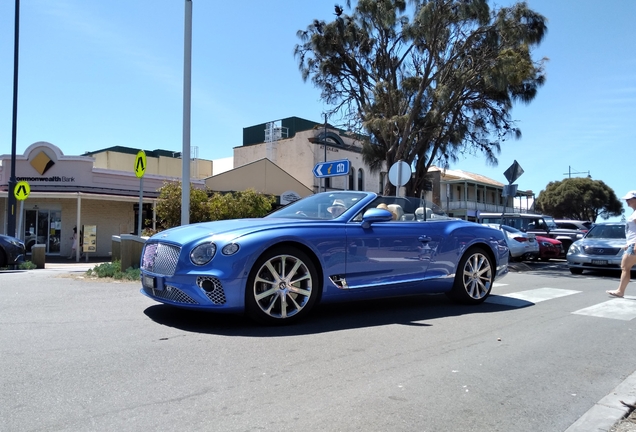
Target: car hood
(548,239)
(226,229)
(599,242)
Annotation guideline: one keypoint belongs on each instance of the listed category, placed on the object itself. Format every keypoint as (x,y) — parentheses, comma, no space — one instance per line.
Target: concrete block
(131,247)
(116,248)
(38,255)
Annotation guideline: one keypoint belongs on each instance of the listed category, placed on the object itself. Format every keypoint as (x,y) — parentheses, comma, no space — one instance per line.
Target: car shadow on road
(421,310)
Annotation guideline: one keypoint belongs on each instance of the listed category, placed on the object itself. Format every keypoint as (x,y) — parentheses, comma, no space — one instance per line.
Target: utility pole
(11,208)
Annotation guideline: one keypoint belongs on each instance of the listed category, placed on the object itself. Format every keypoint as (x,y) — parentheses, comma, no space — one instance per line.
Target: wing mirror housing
(375,215)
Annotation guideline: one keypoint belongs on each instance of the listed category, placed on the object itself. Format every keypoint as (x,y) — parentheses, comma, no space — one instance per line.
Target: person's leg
(627,263)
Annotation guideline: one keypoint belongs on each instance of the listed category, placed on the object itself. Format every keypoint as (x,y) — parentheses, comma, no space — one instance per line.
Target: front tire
(474,277)
(282,287)
(576,271)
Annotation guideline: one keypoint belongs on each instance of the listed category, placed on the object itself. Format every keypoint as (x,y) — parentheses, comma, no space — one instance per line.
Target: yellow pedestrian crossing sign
(140,164)
(22,190)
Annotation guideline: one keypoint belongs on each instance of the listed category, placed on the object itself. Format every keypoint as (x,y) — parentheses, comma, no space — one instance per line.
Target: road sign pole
(141,201)
(20,233)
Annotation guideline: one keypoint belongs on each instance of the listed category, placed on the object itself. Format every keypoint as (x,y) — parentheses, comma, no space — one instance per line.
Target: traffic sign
(399,174)
(332,168)
(22,190)
(513,172)
(140,164)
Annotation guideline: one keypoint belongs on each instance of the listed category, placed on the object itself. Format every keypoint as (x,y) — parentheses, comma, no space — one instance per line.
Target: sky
(95,74)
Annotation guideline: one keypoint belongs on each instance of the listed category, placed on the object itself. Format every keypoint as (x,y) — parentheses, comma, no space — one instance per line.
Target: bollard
(38,255)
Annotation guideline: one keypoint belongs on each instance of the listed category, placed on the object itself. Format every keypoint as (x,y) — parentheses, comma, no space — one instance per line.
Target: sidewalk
(62,263)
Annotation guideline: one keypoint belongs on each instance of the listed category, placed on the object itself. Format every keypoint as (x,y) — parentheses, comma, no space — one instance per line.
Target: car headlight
(16,243)
(574,249)
(203,253)
(230,249)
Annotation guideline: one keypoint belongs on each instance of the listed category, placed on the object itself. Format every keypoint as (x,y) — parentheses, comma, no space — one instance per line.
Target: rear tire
(474,277)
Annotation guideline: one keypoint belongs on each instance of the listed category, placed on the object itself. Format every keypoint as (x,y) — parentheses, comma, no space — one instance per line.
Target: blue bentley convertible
(332,246)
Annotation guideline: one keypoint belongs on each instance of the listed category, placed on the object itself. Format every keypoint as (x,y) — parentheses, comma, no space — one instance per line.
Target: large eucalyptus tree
(426,80)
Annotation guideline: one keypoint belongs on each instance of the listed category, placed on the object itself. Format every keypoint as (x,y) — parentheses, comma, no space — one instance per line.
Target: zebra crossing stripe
(526,298)
(620,309)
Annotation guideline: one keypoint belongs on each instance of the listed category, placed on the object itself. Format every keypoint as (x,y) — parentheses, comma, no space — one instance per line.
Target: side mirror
(375,215)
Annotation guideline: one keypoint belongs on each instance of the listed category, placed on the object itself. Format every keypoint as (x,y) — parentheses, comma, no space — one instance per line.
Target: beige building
(159,162)
(297,145)
(71,191)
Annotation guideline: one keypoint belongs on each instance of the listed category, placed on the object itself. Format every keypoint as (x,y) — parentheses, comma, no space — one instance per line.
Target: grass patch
(113,270)
(27,265)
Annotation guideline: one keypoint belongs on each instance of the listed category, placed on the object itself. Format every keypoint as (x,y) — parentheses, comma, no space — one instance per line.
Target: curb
(609,410)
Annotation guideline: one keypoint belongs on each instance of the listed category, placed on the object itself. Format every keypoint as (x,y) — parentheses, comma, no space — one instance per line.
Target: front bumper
(203,291)
(594,262)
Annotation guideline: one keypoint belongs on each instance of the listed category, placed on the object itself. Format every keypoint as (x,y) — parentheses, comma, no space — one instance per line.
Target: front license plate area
(599,262)
(149,282)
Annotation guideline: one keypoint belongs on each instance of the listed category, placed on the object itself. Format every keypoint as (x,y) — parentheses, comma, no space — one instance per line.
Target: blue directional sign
(332,168)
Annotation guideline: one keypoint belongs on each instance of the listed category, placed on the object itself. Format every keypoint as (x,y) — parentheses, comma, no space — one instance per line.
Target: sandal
(614,294)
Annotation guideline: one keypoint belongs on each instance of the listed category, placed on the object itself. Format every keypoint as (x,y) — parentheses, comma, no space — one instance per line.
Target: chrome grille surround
(214,292)
(160,258)
(594,250)
(171,293)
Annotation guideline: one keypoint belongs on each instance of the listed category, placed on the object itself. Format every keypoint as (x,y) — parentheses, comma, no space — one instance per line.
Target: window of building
(381,185)
(360,179)
(351,179)
(327,183)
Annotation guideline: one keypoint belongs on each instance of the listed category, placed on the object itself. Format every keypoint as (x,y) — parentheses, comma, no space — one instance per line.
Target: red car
(549,248)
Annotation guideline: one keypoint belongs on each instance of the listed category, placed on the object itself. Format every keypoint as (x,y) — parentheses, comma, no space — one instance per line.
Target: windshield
(550,222)
(323,206)
(511,229)
(606,232)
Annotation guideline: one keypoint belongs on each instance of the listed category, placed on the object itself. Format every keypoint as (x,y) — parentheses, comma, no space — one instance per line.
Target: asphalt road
(80,355)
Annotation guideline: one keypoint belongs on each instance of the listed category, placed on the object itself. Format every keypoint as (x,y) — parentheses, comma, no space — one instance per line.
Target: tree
(209,206)
(241,204)
(579,198)
(428,88)
(169,205)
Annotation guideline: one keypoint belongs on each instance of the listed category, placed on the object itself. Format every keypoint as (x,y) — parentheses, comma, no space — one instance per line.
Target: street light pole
(185,153)
(11,208)
(324,144)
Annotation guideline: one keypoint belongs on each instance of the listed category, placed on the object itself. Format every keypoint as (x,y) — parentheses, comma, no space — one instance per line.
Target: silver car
(522,246)
(600,249)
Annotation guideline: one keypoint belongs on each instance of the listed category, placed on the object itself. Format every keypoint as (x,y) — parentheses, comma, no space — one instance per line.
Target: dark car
(11,251)
(328,247)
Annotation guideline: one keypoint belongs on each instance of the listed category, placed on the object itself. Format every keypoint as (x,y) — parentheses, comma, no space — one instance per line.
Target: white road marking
(525,298)
(620,309)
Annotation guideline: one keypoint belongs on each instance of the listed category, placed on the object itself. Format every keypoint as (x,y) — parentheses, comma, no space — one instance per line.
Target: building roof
(134,151)
(460,175)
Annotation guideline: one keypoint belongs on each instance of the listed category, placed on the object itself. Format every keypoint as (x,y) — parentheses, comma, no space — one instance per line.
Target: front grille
(212,288)
(171,293)
(160,258)
(590,250)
